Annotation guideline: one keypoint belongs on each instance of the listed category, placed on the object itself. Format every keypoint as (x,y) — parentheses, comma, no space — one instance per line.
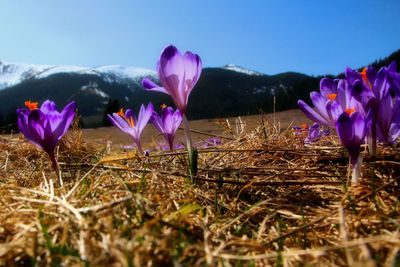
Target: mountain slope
(14,73)
(219,92)
(226,91)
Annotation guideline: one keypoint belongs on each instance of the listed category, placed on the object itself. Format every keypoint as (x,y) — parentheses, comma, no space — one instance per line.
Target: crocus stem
(187,134)
(139,146)
(356,169)
(373,135)
(55,164)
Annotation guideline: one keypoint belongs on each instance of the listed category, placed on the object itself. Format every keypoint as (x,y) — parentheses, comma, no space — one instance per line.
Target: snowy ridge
(14,73)
(233,67)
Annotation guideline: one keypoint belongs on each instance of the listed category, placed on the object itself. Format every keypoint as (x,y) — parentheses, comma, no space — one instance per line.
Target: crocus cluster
(311,133)
(44,127)
(129,124)
(360,107)
(167,124)
(178,75)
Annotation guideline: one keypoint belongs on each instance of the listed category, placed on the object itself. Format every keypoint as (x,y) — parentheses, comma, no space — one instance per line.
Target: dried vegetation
(261,198)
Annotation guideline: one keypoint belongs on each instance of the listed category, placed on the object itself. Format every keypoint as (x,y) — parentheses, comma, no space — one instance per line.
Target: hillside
(220,92)
(228,92)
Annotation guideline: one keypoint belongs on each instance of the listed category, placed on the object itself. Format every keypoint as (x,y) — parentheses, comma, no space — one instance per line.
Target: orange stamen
(304,126)
(130,122)
(163,106)
(121,113)
(31,105)
(332,96)
(349,111)
(364,76)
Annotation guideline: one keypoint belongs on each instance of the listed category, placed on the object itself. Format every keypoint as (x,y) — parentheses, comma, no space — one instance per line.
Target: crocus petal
(351,75)
(171,68)
(334,109)
(371,75)
(129,114)
(49,108)
(156,121)
(380,86)
(396,111)
(394,78)
(310,113)
(361,92)
(193,67)
(177,120)
(150,86)
(118,122)
(66,118)
(320,102)
(385,114)
(394,132)
(344,128)
(327,86)
(167,119)
(25,129)
(345,131)
(144,116)
(171,61)
(40,130)
(392,67)
(342,93)
(358,122)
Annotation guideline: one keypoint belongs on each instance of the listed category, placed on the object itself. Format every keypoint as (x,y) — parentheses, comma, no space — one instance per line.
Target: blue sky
(312,37)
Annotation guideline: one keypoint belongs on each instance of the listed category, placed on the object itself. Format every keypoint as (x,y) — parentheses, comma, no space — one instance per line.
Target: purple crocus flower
(130,125)
(211,142)
(324,102)
(312,134)
(369,87)
(315,133)
(351,131)
(178,75)
(179,146)
(44,127)
(167,124)
(388,119)
(333,100)
(394,78)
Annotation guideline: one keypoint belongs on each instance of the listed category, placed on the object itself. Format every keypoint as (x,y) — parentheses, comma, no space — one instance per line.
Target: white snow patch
(100,93)
(125,72)
(233,67)
(93,88)
(14,73)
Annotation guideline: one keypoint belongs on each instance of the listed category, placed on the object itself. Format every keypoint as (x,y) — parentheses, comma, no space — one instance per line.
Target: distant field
(211,126)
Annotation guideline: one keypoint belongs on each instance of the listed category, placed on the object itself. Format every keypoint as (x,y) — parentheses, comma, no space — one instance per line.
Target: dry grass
(261,198)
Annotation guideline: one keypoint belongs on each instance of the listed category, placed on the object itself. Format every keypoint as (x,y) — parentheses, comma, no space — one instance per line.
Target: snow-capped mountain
(226,91)
(236,68)
(14,73)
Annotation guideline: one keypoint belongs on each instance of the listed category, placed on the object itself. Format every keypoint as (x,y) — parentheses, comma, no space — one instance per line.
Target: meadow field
(206,126)
(262,197)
